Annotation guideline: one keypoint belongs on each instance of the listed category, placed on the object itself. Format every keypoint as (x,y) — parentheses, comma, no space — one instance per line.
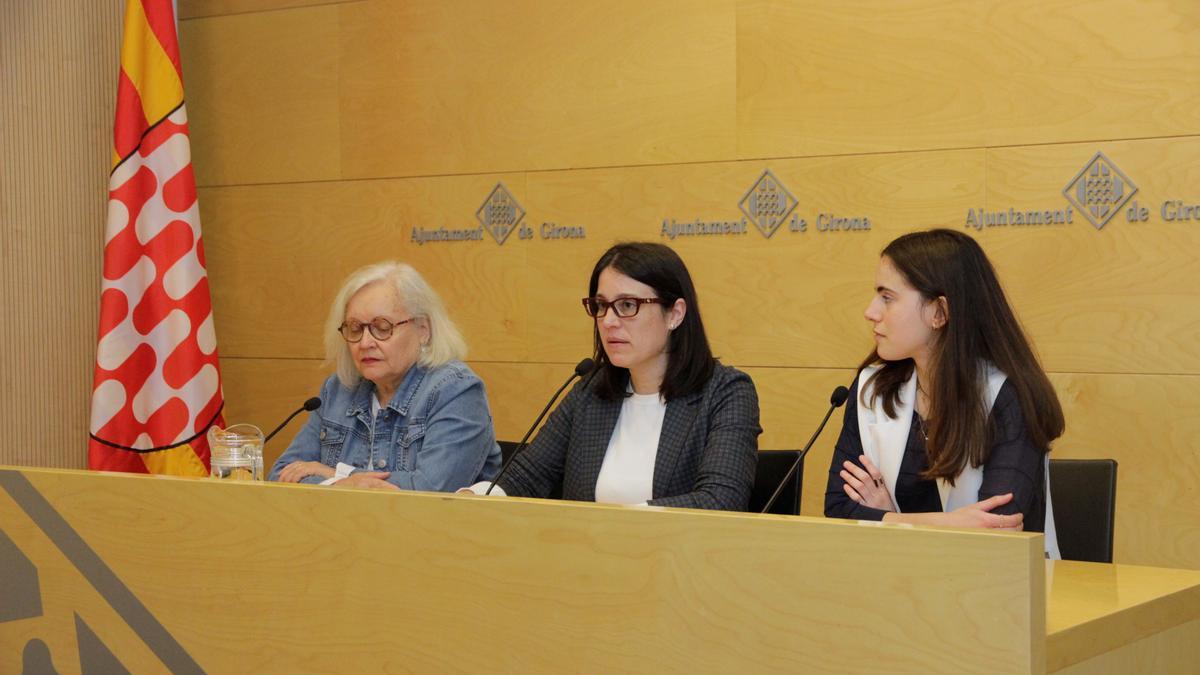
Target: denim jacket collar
(401,400)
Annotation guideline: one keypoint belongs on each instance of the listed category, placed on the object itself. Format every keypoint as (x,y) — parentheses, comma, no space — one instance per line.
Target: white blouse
(627,475)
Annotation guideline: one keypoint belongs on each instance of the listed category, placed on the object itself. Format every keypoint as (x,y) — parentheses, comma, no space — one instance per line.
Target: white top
(627,475)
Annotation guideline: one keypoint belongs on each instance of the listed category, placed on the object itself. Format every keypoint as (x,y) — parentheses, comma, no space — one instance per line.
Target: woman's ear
(941,313)
(676,313)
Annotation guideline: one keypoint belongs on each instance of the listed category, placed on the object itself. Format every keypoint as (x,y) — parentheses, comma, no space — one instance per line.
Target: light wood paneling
(1116,300)
(1122,299)
(803,279)
(280,253)
(262,90)
(194,9)
(57,94)
(616,117)
(1171,652)
(520,300)
(1121,619)
(470,86)
(1150,425)
(618,589)
(820,78)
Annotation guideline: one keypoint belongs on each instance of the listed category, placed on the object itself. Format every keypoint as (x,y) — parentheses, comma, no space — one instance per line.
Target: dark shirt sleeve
(725,477)
(538,469)
(1014,464)
(847,449)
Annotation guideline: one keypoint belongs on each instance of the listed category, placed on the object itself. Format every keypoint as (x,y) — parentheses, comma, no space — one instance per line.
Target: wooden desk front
(234,577)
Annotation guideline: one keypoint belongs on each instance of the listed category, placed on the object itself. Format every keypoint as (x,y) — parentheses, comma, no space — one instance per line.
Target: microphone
(582,368)
(309,405)
(836,400)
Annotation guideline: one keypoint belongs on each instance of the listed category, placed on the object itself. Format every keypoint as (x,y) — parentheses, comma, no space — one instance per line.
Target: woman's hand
(866,485)
(977,515)
(296,471)
(368,479)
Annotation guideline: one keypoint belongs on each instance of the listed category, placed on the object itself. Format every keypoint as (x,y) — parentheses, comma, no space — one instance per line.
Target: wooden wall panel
(1071,283)
(58,74)
(194,9)
(821,78)
(284,250)
(263,89)
(616,117)
(474,86)
(1119,299)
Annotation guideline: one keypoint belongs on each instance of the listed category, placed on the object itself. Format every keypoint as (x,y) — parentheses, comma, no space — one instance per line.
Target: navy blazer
(707,450)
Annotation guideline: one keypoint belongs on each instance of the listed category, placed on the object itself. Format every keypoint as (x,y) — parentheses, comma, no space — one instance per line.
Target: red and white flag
(158,384)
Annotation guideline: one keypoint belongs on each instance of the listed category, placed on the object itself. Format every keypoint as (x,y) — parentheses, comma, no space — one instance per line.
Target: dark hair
(690,360)
(980,326)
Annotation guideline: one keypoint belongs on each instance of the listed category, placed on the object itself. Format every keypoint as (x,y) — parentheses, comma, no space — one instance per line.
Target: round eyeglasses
(381,329)
(624,307)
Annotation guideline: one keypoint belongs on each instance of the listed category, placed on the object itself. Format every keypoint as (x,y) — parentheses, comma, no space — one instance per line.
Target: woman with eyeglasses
(659,421)
(951,417)
(402,411)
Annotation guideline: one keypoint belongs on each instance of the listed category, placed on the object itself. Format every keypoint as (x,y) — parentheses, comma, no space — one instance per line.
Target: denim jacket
(435,434)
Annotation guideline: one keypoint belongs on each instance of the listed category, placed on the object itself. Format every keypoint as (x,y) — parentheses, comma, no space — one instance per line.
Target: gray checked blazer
(707,451)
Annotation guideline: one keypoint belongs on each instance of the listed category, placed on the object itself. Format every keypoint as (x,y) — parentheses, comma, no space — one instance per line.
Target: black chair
(772,466)
(1084,495)
(506,449)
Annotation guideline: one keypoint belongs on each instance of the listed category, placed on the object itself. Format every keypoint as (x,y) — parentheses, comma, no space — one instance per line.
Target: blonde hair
(418,298)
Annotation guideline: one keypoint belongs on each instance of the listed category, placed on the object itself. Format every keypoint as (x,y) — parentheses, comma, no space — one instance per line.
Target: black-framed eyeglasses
(381,328)
(624,307)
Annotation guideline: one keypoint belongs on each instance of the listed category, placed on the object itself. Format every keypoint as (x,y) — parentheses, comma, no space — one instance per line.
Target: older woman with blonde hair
(402,410)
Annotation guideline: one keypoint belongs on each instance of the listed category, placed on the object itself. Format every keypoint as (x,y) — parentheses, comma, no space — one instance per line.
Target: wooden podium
(192,575)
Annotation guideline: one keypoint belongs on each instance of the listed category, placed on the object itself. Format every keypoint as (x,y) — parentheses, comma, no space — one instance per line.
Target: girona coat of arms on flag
(157,381)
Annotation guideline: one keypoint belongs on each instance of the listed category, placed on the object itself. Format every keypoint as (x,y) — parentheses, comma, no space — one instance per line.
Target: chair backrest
(1084,495)
(772,466)
(506,449)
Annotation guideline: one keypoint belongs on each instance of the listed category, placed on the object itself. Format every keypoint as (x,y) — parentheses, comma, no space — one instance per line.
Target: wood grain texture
(195,9)
(520,301)
(616,117)
(65,594)
(825,78)
(57,94)
(1150,425)
(278,254)
(1103,615)
(1119,299)
(617,588)
(469,86)
(1114,300)
(1171,652)
(262,90)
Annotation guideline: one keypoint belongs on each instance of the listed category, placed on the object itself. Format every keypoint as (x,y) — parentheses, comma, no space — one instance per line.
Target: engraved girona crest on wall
(500,213)
(1099,190)
(767,203)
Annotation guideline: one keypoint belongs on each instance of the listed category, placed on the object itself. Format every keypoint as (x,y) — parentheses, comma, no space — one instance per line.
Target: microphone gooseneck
(582,368)
(309,406)
(836,400)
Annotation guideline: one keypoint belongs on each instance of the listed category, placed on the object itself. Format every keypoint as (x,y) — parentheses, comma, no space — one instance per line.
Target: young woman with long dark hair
(951,417)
